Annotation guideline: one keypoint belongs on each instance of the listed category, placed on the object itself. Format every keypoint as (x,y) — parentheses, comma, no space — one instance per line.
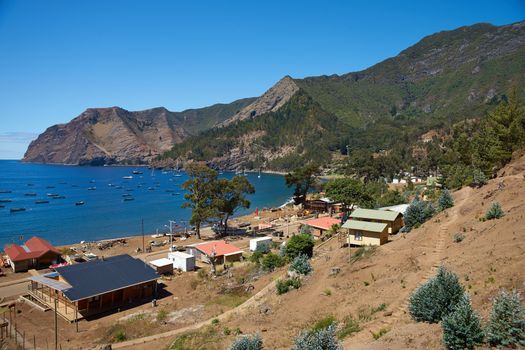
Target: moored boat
(80,203)
(129,177)
(41,201)
(126,199)
(14,210)
(30,194)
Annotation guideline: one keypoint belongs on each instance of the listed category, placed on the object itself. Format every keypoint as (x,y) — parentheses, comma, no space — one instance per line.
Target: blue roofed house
(96,286)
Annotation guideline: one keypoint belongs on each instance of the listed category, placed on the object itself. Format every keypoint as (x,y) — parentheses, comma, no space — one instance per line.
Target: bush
(162,315)
(300,244)
(324,323)
(495,212)
(478,178)
(301,264)
(120,336)
(458,237)
(445,200)
(349,327)
(283,286)
(417,213)
(247,343)
(323,339)
(363,252)
(272,261)
(436,298)
(462,327)
(379,333)
(256,257)
(506,326)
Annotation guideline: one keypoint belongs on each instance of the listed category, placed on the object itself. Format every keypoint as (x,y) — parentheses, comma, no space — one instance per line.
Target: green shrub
(323,339)
(506,326)
(283,286)
(256,257)
(301,264)
(379,333)
(272,261)
(162,315)
(363,253)
(495,212)
(349,327)
(120,336)
(215,321)
(300,244)
(247,343)
(458,237)
(324,323)
(462,327)
(478,178)
(445,200)
(417,213)
(436,298)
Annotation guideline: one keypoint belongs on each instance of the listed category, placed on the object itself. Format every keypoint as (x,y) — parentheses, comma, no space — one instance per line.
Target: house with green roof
(365,232)
(393,219)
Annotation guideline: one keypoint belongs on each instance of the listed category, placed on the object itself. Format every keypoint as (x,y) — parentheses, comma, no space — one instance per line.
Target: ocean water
(157,198)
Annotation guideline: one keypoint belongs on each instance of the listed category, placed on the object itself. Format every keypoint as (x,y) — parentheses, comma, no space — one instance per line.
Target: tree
(445,200)
(462,327)
(417,213)
(302,179)
(349,191)
(201,187)
(247,343)
(436,298)
(231,196)
(322,339)
(506,327)
(272,261)
(301,264)
(478,178)
(494,212)
(300,244)
(391,198)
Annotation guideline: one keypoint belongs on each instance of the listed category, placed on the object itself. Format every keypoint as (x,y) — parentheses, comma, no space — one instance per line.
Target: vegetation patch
(229,300)
(284,286)
(207,338)
(348,328)
(363,252)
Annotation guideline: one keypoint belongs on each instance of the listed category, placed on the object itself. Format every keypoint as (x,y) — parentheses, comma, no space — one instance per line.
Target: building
(322,205)
(36,253)
(182,261)
(365,232)
(224,252)
(321,225)
(393,219)
(95,286)
(260,243)
(162,266)
(399,208)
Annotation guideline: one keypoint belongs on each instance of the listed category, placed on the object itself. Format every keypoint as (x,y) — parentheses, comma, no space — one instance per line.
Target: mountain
(114,135)
(445,77)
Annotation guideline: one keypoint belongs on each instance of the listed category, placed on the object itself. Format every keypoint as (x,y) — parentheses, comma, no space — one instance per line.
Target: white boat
(129,177)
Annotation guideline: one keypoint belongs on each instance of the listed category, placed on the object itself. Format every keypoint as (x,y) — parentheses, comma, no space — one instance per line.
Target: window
(358,235)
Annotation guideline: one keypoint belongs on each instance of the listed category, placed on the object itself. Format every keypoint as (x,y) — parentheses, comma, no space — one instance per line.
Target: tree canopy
(302,179)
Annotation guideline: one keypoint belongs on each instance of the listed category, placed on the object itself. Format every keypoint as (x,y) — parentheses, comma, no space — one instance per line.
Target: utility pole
(171,234)
(56,325)
(142,229)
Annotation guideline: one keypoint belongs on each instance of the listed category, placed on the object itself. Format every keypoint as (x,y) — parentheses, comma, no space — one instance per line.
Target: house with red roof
(224,252)
(36,253)
(320,225)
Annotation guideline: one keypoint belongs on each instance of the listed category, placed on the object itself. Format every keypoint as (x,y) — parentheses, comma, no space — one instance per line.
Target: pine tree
(417,213)
(323,339)
(436,298)
(506,325)
(247,343)
(445,200)
(495,212)
(301,264)
(462,327)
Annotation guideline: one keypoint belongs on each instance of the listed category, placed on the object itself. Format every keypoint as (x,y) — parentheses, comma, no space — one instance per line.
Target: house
(365,232)
(393,219)
(182,261)
(224,252)
(36,253)
(260,243)
(162,266)
(95,286)
(399,208)
(321,225)
(322,205)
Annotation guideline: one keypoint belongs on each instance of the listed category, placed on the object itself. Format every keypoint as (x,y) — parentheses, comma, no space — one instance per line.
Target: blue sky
(59,57)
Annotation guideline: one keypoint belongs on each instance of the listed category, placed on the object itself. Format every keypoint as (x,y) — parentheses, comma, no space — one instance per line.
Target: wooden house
(393,219)
(366,233)
(36,253)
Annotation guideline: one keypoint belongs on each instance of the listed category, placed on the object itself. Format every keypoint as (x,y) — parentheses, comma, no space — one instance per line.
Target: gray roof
(102,276)
(400,208)
(373,214)
(364,225)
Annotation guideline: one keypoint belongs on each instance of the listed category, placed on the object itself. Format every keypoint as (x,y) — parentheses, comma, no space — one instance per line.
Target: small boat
(30,184)
(175,194)
(80,203)
(62,183)
(129,177)
(150,188)
(50,186)
(74,186)
(118,187)
(41,201)
(136,172)
(126,199)
(30,194)
(2,206)
(14,210)
(52,194)
(6,191)
(92,188)
(127,195)
(92,181)
(6,200)
(58,197)
(111,185)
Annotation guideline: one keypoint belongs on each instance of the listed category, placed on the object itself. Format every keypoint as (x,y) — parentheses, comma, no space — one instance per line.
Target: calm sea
(157,198)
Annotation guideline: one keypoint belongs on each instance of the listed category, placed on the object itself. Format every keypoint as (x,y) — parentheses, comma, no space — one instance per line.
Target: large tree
(349,191)
(231,196)
(201,197)
(303,179)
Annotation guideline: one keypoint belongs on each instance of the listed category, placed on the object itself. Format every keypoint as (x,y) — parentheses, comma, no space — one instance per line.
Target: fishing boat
(92,188)
(58,197)
(80,203)
(14,210)
(136,172)
(52,194)
(128,177)
(50,186)
(6,200)
(6,191)
(126,195)
(41,201)
(126,199)
(30,194)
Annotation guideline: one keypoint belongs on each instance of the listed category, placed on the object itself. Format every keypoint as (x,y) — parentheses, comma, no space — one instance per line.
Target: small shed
(182,261)
(261,243)
(162,266)
(366,233)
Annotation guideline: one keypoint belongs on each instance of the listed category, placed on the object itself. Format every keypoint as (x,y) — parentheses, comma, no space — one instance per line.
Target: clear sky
(59,57)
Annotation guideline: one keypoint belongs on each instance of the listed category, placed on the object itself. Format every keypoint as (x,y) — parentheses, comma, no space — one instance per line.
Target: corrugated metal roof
(364,225)
(102,276)
(400,208)
(50,282)
(374,214)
